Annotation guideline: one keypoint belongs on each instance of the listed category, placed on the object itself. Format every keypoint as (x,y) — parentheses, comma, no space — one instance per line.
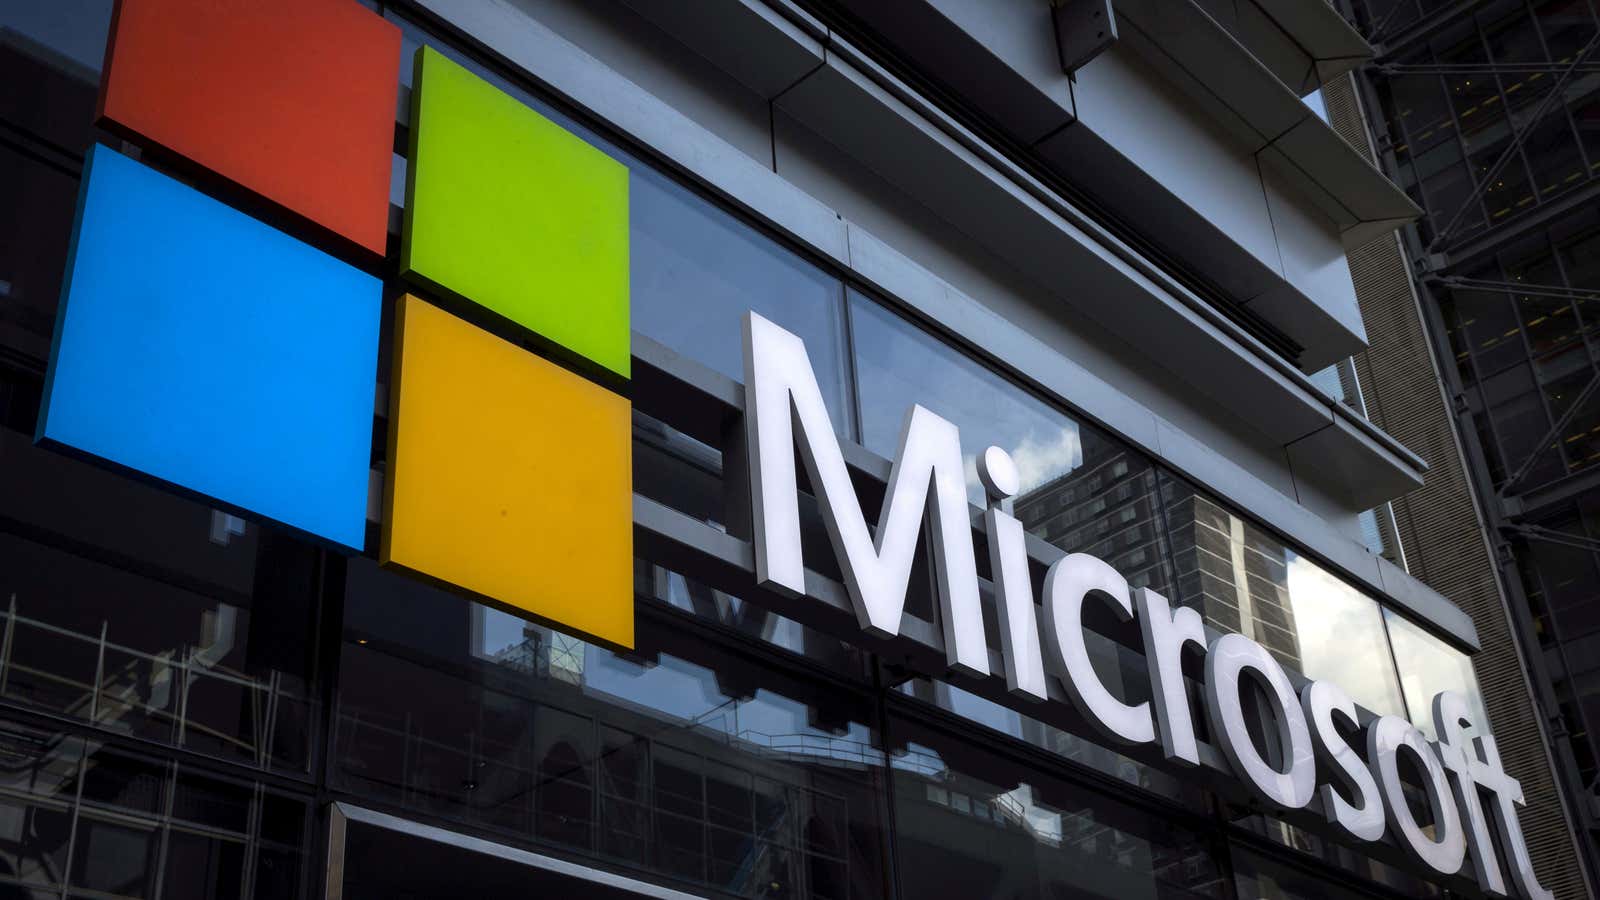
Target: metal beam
(1517,287)
(1553,432)
(1524,129)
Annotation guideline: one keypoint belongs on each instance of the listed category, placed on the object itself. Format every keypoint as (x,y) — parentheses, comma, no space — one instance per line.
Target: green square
(509,210)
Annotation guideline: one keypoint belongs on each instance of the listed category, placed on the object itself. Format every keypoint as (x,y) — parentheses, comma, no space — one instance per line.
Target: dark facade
(189,699)
(1488,114)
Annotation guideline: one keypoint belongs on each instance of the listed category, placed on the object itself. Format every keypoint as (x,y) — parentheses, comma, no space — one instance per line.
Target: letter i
(1013,588)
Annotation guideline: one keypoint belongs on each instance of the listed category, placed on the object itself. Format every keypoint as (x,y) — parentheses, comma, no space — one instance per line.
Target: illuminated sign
(292,100)
(214,353)
(784,412)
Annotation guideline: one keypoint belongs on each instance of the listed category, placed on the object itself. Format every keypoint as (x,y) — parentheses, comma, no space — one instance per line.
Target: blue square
(214,353)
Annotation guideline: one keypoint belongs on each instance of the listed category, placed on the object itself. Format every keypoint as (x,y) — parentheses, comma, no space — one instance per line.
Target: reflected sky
(1340,632)
(898,365)
(1428,666)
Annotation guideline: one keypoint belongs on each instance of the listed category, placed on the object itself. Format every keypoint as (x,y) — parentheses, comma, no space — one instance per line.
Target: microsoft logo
(228,358)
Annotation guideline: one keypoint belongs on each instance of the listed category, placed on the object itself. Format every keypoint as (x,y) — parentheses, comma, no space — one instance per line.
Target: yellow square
(509,477)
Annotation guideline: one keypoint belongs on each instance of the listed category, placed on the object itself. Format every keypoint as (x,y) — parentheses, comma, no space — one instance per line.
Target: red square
(293,99)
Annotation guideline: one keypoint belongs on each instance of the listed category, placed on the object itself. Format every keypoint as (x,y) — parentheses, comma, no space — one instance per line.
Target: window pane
(1340,636)
(1428,666)
(1081,489)
(975,824)
(1260,878)
(686,758)
(696,269)
(1123,669)
(1243,579)
(40,199)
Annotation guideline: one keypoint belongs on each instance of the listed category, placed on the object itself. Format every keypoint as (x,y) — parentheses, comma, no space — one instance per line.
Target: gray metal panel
(1278,51)
(1354,184)
(761,49)
(1208,62)
(1128,190)
(854,113)
(1219,71)
(1319,29)
(1337,460)
(1427,604)
(998,55)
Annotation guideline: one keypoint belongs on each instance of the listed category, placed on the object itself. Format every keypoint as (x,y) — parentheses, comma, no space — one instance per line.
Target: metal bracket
(1084,30)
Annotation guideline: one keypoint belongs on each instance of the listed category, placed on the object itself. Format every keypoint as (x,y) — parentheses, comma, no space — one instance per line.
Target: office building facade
(1485,115)
(441,440)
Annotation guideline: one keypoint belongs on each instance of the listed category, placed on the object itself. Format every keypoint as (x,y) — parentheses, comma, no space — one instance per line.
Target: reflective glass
(96,820)
(1277,881)
(1260,878)
(1080,750)
(684,758)
(696,270)
(1428,666)
(137,610)
(973,823)
(1244,579)
(1081,489)
(39,199)
(758,622)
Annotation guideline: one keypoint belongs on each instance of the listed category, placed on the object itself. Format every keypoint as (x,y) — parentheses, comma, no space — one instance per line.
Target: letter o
(1230,656)
(1386,737)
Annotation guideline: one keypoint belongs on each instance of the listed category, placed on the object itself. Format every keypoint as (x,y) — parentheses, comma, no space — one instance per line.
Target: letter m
(783,406)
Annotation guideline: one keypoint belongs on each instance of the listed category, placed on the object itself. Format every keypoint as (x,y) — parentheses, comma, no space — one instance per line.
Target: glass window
(1340,635)
(111,822)
(1279,881)
(689,595)
(972,823)
(1081,489)
(1244,579)
(1428,666)
(683,758)
(130,607)
(1080,750)
(696,269)
(39,199)
(1260,878)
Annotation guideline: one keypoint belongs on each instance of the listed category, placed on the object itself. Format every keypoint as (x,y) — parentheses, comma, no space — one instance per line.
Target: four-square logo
(220,334)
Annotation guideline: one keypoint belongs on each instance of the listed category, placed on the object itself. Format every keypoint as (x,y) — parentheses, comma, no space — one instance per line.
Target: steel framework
(1512,509)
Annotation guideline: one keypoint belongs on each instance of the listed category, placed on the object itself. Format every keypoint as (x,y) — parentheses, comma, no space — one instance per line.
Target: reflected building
(1107,507)
(1235,573)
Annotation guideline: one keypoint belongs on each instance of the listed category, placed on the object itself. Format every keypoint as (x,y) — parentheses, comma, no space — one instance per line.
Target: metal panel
(343,815)
(745,38)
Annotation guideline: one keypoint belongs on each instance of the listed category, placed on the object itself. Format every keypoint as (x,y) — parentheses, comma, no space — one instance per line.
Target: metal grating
(1438,524)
